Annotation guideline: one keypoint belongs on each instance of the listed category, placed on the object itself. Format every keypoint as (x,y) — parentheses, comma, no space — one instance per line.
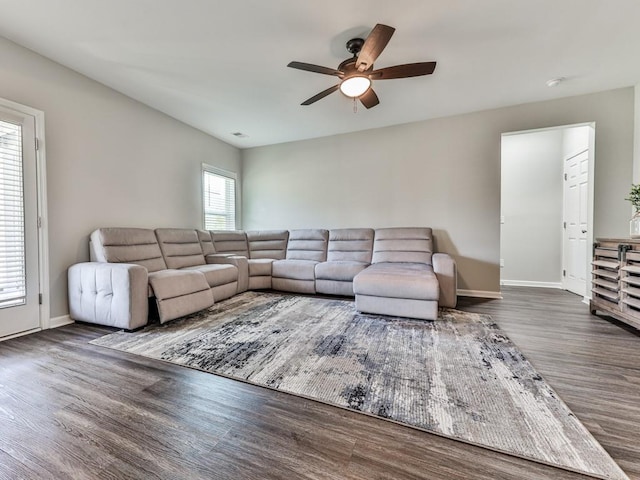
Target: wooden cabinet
(615,287)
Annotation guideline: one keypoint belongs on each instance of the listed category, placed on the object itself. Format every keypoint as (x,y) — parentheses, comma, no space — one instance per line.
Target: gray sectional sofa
(390,271)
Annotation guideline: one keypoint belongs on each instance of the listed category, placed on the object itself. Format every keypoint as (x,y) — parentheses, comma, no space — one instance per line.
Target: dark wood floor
(72,410)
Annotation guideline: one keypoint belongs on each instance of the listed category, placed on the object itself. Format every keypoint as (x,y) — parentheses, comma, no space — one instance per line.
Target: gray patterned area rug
(459,376)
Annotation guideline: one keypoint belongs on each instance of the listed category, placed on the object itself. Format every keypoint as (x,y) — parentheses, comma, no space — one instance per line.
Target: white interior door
(19,269)
(576,192)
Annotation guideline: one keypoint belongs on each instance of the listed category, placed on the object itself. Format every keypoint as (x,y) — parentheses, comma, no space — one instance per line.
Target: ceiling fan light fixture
(357,74)
(355,86)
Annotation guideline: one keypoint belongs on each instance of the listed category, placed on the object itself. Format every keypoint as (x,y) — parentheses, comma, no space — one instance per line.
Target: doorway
(547,207)
(21,243)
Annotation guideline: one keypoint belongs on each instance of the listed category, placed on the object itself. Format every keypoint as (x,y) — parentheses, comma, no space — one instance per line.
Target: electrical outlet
(501,262)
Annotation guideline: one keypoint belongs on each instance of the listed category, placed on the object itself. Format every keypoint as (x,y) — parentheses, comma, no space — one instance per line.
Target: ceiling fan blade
(404,71)
(369,98)
(309,67)
(321,95)
(373,46)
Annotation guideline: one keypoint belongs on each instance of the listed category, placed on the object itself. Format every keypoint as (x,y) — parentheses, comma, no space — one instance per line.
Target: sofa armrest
(112,294)
(242,263)
(444,267)
(218,257)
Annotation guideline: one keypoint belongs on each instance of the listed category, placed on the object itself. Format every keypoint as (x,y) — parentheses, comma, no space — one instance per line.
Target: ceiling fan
(357,73)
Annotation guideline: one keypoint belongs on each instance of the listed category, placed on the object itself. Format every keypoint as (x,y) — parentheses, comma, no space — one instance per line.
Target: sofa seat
(221,277)
(294,269)
(182,249)
(260,273)
(336,278)
(400,289)
(341,271)
(260,267)
(398,280)
(239,262)
(180,292)
(217,274)
(294,276)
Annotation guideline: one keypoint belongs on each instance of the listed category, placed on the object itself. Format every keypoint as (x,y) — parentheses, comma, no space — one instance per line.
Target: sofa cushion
(342,271)
(398,280)
(350,244)
(180,292)
(216,274)
(128,245)
(308,244)
(292,285)
(407,245)
(294,269)
(206,243)
(180,247)
(234,242)
(239,261)
(259,267)
(176,283)
(334,287)
(268,244)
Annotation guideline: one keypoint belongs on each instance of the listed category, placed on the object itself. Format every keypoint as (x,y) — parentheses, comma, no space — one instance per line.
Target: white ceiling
(220,66)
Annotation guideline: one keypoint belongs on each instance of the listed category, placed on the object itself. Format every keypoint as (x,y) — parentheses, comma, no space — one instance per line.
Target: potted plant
(634,198)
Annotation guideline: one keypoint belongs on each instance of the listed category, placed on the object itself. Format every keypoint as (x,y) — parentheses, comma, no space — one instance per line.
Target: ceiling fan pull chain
(355,105)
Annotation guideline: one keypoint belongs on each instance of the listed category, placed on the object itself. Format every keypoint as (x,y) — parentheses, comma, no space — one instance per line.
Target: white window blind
(219,197)
(12,254)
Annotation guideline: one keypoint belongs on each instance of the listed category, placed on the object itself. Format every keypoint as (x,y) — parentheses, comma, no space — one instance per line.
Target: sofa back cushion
(232,242)
(403,245)
(180,247)
(308,244)
(128,245)
(350,245)
(268,243)
(206,243)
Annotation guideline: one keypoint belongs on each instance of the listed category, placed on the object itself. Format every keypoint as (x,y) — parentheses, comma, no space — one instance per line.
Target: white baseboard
(60,321)
(479,294)
(53,323)
(20,334)
(526,283)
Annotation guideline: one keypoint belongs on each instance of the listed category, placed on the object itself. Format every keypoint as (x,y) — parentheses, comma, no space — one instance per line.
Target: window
(219,198)
(12,252)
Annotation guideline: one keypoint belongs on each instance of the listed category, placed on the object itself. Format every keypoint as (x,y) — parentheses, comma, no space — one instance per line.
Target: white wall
(575,140)
(443,173)
(531,199)
(111,161)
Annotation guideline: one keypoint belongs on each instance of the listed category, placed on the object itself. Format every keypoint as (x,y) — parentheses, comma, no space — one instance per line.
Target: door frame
(43,230)
(590,200)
